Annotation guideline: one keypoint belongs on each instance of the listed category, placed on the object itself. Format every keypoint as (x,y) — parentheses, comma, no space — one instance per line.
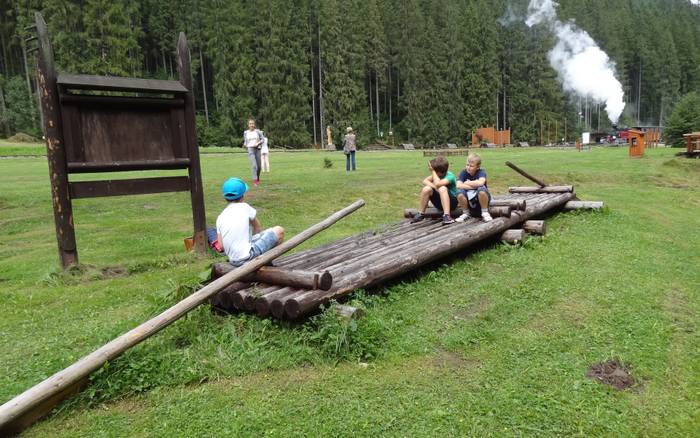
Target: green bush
(22,114)
(213,133)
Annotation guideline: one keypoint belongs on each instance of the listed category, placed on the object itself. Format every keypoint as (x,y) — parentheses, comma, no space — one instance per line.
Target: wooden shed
(636,142)
(692,141)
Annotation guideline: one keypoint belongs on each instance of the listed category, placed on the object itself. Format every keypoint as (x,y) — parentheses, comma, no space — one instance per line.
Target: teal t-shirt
(452,186)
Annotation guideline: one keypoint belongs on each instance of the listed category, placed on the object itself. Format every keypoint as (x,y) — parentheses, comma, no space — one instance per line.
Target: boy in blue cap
(235,223)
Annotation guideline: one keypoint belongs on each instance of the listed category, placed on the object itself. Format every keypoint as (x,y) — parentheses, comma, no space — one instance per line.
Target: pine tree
(231,50)
(342,69)
(110,34)
(282,66)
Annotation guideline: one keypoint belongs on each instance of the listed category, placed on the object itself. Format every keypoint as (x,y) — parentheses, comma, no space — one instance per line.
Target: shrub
(684,119)
(21,137)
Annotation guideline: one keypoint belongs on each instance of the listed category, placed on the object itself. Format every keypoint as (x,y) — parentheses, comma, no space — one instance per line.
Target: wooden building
(489,134)
(636,142)
(692,141)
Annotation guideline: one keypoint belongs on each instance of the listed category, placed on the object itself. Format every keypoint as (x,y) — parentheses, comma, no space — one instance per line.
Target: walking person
(265,154)
(349,149)
(252,140)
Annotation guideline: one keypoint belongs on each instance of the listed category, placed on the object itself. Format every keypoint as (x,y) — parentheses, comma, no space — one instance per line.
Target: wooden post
(194,171)
(583,205)
(546,189)
(347,312)
(513,237)
(55,148)
(525,174)
(535,227)
(24,409)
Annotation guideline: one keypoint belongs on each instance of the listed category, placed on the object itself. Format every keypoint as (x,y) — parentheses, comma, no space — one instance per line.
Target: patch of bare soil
(448,359)
(612,372)
(113,271)
(150,206)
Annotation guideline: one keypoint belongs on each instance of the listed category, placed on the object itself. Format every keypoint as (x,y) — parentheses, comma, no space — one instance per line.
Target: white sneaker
(486,216)
(463,217)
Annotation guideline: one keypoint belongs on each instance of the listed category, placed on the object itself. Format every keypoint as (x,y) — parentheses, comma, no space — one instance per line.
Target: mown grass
(491,343)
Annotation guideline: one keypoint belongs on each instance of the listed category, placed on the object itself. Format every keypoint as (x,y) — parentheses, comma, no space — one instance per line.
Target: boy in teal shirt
(440,187)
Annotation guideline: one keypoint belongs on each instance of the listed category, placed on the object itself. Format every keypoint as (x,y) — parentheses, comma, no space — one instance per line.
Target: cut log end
(513,237)
(583,205)
(348,312)
(535,227)
(325,281)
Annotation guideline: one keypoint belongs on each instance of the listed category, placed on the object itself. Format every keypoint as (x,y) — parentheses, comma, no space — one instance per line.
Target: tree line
(427,71)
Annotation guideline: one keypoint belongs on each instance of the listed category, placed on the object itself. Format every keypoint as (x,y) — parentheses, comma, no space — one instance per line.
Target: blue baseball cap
(233,189)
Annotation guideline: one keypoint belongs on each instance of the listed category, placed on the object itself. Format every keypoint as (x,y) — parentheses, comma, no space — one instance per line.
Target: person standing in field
(252,140)
(349,148)
(265,154)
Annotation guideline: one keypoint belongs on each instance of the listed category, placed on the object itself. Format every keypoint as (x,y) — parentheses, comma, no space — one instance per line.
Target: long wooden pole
(14,411)
(525,174)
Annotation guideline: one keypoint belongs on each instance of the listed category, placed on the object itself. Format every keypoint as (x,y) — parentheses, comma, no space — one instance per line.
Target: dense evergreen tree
(431,71)
(684,119)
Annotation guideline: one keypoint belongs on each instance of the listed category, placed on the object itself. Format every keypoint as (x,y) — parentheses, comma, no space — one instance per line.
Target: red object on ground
(216,246)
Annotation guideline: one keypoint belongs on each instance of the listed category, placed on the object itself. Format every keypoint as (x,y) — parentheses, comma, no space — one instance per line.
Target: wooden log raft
(515,204)
(583,205)
(24,409)
(400,261)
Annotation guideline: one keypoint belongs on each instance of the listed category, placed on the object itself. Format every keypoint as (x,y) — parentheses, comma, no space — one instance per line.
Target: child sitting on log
(440,187)
(233,226)
(474,196)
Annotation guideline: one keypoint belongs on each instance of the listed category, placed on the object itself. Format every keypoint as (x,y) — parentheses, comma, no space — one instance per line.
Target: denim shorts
(259,244)
(474,202)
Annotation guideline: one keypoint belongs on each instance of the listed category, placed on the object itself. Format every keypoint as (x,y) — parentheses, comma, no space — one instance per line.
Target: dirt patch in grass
(475,310)
(150,206)
(114,271)
(449,360)
(612,372)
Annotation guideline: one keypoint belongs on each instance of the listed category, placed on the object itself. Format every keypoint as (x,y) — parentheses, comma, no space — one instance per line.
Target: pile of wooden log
(370,258)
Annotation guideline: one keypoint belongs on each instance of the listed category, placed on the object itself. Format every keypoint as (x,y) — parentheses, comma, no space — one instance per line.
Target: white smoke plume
(582,66)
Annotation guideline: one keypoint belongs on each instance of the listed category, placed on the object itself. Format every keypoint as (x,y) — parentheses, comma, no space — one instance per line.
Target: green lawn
(495,342)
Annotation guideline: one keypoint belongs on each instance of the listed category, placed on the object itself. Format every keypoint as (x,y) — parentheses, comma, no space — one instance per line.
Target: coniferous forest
(430,71)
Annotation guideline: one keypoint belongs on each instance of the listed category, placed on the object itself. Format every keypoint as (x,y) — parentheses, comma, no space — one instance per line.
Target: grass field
(495,342)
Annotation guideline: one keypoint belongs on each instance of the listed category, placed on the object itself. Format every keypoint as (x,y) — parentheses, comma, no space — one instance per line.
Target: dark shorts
(435,199)
(474,207)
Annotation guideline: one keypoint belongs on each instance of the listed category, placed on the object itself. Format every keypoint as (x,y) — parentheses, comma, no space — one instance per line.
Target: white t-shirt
(251,138)
(265,148)
(233,224)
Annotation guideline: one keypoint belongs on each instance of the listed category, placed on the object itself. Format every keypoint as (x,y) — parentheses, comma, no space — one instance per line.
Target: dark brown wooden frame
(108,124)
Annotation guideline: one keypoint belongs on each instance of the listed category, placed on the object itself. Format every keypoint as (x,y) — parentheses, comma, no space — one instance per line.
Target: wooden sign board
(95,124)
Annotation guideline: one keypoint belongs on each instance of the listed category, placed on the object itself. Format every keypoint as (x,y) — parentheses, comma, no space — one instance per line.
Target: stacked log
(370,258)
(545,189)
(535,227)
(439,242)
(514,236)
(433,213)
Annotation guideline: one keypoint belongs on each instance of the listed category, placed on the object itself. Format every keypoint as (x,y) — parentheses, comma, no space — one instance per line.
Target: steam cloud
(583,68)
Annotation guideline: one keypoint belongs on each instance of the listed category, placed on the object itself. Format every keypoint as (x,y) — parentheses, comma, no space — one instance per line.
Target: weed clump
(327,163)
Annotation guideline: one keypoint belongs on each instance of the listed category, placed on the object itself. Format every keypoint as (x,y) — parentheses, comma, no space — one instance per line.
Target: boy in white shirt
(235,223)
